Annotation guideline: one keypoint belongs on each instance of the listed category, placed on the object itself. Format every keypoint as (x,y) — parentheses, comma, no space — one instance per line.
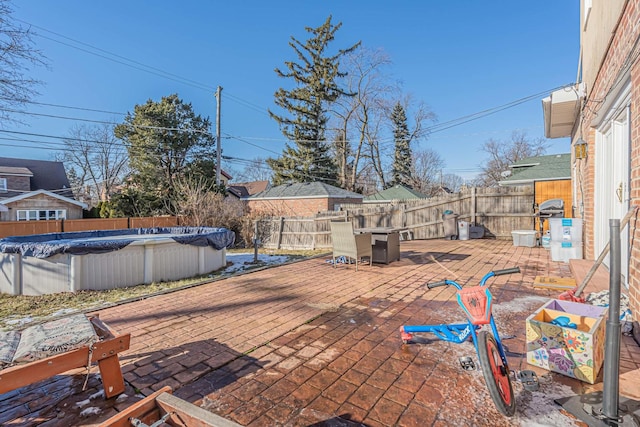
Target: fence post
(280,232)
(403,215)
(473,206)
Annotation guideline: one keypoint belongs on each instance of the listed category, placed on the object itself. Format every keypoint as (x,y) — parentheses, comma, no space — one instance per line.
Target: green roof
(306,190)
(397,192)
(541,168)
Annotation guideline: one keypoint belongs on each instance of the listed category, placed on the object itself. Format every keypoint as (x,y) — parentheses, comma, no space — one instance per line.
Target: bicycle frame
(476,301)
(460,332)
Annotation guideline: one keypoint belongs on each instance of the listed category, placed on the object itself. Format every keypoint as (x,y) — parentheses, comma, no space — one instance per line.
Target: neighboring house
(397,192)
(600,115)
(300,199)
(36,190)
(550,176)
(225,178)
(242,190)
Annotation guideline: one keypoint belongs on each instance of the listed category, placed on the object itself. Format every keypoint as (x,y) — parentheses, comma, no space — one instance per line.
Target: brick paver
(306,343)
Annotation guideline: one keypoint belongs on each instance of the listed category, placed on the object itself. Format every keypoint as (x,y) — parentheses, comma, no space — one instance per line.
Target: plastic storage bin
(564,251)
(524,238)
(565,229)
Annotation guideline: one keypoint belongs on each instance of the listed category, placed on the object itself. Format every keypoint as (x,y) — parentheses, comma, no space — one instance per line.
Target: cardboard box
(577,353)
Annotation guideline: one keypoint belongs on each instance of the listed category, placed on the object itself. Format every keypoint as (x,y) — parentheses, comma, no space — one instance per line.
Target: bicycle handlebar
(436,284)
(445,282)
(506,271)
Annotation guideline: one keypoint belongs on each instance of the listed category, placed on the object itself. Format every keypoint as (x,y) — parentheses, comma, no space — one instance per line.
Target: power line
(122,60)
(25,101)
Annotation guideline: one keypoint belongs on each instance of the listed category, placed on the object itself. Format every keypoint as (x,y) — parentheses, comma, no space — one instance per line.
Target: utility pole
(218,143)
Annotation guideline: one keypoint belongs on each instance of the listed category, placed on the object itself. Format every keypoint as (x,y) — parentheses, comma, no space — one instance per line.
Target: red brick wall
(616,59)
(294,207)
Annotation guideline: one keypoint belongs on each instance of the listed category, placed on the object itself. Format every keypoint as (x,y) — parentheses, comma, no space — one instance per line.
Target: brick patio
(307,344)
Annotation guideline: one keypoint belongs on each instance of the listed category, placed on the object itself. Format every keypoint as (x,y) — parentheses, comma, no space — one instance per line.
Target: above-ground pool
(108,259)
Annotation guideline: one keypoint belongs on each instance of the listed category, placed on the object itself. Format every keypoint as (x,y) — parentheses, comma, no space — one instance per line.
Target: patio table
(385,243)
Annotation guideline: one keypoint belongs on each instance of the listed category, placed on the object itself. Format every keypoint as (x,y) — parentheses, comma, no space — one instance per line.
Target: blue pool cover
(96,242)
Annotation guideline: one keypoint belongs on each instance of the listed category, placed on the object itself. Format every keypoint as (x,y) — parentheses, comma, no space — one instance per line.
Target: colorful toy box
(568,338)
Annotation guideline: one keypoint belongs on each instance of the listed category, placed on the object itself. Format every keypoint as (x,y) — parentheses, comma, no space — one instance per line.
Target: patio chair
(349,244)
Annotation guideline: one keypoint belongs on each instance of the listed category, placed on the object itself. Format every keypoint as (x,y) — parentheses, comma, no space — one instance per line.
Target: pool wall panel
(140,262)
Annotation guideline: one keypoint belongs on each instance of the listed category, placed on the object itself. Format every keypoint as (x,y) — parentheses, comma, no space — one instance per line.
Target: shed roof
(397,192)
(306,190)
(246,189)
(541,168)
(11,170)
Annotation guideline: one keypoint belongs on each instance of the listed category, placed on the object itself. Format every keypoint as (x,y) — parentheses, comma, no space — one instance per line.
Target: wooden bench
(104,352)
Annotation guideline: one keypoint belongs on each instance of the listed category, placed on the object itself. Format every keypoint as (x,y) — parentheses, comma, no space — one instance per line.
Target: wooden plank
(140,410)
(110,347)
(189,415)
(111,374)
(560,283)
(22,375)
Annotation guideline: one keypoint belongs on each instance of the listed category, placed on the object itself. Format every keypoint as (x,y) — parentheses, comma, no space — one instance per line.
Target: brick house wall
(295,206)
(619,56)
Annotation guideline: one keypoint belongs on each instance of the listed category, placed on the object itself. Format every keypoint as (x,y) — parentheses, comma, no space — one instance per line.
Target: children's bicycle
(476,303)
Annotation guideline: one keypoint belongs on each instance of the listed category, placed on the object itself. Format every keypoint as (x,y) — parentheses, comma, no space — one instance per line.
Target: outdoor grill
(552,208)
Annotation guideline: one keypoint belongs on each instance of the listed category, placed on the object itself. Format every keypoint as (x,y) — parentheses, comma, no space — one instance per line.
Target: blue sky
(459,57)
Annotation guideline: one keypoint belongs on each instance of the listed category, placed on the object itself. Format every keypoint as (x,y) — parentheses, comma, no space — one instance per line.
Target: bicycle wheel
(496,374)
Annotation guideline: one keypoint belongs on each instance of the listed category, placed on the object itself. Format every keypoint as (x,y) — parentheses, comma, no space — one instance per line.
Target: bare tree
(357,120)
(502,154)
(97,160)
(452,182)
(17,55)
(426,168)
(256,170)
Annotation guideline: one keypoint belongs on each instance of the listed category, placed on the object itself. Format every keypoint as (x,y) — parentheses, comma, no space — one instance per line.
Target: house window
(37,215)
(3,185)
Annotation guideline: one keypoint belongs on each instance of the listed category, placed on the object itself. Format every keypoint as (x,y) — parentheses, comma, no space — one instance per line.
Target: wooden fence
(24,228)
(498,210)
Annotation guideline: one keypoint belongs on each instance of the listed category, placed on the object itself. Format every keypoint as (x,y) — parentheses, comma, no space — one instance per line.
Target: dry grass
(16,311)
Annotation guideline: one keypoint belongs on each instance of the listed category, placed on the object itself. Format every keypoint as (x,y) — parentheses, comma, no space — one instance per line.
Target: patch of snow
(20,322)
(121,398)
(97,395)
(62,312)
(242,261)
(83,403)
(90,411)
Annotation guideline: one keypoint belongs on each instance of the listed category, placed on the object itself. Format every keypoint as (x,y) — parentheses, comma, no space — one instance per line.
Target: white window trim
(35,214)
(3,185)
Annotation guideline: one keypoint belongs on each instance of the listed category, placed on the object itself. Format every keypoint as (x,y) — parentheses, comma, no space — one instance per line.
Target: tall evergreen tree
(401,169)
(306,156)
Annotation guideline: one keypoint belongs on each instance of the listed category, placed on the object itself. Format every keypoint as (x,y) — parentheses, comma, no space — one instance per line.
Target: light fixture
(581,149)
